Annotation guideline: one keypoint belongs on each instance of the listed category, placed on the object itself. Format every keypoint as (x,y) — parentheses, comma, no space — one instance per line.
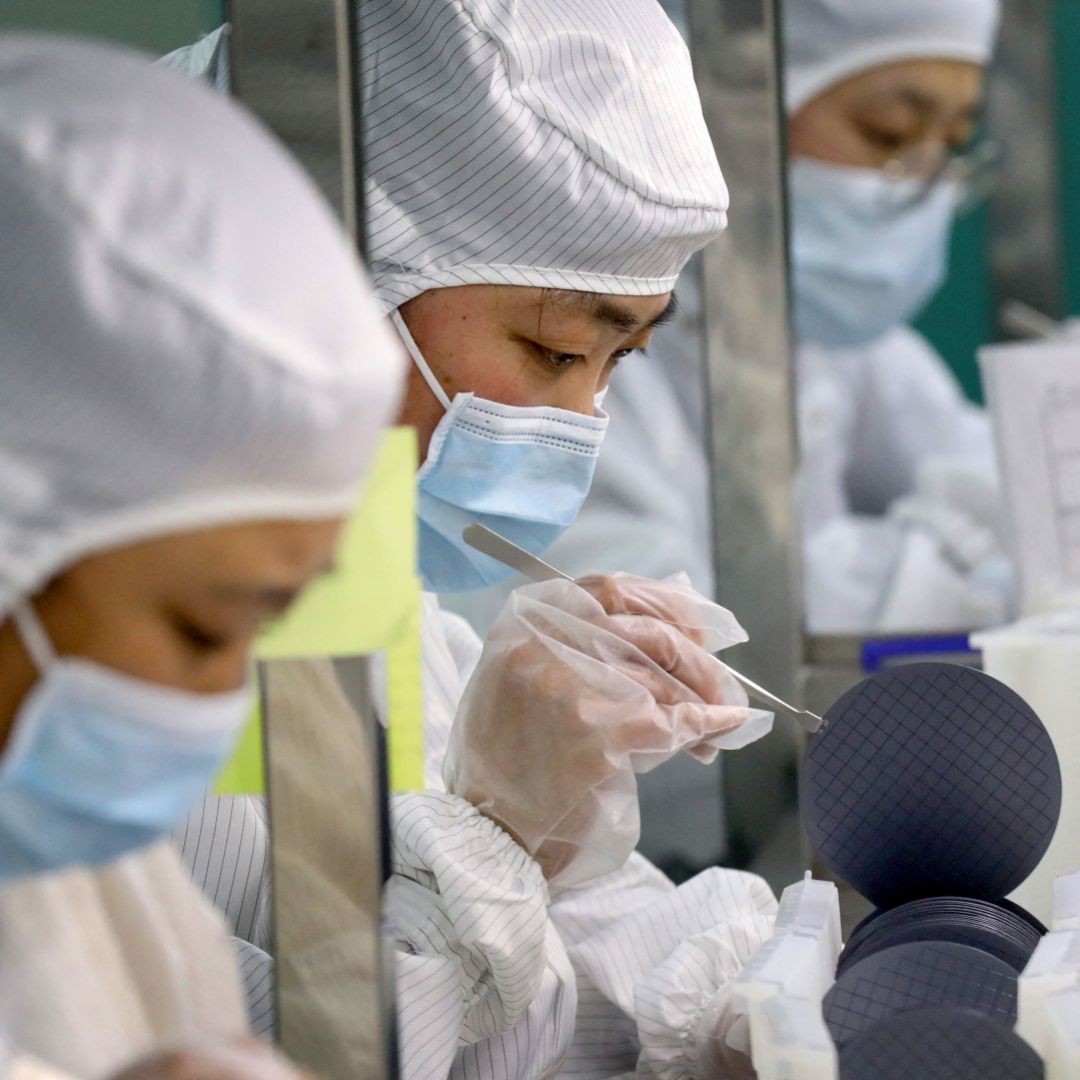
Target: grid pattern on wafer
(919,976)
(931,778)
(943,1044)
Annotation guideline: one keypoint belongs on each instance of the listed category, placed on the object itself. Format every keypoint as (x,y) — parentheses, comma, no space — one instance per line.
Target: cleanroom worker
(537,177)
(193,379)
(896,490)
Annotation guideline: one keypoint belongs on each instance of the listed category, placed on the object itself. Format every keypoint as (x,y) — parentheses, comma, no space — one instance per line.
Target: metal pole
(751,389)
(295,63)
(1027,235)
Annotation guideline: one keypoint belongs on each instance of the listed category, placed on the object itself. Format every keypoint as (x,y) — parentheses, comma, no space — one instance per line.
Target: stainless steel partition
(294,63)
(327,812)
(1027,248)
(751,388)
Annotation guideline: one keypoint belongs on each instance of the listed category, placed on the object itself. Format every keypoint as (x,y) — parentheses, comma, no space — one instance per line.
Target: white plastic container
(796,1044)
(1053,967)
(1067,902)
(811,907)
(1062,1056)
(1039,658)
(780,990)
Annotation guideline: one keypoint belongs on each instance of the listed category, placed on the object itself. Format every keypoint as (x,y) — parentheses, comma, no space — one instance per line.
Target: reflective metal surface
(293,63)
(751,389)
(326,806)
(1026,222)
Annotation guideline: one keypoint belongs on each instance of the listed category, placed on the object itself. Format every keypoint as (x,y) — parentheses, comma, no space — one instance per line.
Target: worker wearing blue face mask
(182,433)
(897,490)
(538,176)
(563,225)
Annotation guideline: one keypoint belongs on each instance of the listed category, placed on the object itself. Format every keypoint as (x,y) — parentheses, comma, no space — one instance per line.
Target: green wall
(155,25)
(962,316)
(1067,64)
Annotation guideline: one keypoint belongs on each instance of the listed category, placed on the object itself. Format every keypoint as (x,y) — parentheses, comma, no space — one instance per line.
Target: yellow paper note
(245,774)
(369,603)
(357,608)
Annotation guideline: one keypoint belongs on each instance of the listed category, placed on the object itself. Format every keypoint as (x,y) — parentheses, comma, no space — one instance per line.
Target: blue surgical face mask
(867,251)
(99,764)
(523,472)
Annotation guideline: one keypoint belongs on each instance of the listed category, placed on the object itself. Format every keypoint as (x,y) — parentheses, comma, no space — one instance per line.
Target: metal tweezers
(497,547)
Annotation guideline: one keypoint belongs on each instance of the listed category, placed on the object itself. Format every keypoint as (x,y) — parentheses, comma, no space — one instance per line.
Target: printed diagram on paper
(1033,390)
(1061,428)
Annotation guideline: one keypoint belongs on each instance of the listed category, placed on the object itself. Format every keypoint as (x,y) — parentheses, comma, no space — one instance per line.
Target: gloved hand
(953,570)
(963,541)
(960,501)
(579,687)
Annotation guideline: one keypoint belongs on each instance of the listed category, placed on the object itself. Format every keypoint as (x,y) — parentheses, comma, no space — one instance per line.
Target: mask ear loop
(34,636)
(418,359)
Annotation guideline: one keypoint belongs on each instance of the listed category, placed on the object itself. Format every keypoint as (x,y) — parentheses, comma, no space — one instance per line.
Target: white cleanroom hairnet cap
(826,41)
(553,143)
(186,338)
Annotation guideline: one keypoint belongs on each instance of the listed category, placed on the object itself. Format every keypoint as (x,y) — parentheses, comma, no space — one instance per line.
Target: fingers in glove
(694,673)
(624,594)
(536,691)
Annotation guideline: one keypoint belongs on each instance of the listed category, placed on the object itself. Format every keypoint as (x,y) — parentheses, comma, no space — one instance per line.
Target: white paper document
(1033,390)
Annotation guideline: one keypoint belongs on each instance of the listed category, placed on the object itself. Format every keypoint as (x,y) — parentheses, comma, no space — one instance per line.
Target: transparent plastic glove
(962,540)
(957,508)
(966,485)
(675,602)
(578,688)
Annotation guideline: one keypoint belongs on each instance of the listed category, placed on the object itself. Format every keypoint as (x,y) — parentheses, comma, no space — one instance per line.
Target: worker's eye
(558,361)
(891,140)
(199,637)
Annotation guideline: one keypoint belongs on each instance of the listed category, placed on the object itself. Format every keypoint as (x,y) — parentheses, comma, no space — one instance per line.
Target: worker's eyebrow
(928,105)
(919,101)
(610,312)
(269,598)
(667,314)
(273,598)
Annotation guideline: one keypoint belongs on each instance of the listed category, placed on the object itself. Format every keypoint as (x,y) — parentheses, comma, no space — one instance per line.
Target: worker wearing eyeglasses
(896,487)
(897,494)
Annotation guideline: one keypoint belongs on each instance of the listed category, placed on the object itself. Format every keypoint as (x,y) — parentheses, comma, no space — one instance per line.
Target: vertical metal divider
(751,392)
(349,39)
(1026,225)
(295,63)
(352,158)
(322,753)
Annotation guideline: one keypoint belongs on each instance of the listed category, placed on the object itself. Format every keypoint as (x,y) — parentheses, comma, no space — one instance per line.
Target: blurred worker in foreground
(193,378)
(538,176)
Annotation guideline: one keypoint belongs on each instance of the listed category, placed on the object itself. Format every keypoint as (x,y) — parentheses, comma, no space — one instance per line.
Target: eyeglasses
(933,164)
